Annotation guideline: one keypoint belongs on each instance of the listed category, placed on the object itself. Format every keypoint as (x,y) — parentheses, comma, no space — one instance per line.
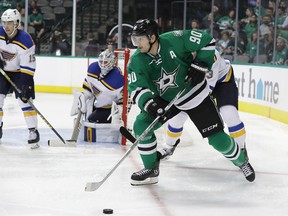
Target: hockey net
(129,111)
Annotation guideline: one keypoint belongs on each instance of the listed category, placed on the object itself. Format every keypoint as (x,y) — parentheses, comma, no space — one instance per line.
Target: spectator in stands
(92,48)
(241,44)
(283,4)
(259,10)
(223,43)
(110,43)
(32,5)
(249,13)
(59,45)
(110,46)
(281,51)
(36,20)
(63,47)
(251,48)
(206,23)
(281,18)
(194,24)
(251,27)
(226,22)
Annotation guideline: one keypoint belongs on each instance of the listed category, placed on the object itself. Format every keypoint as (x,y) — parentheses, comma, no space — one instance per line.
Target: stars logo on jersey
(166,80)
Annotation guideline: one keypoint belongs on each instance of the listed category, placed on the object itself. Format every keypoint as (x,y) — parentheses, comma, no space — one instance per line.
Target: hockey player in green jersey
(158,70)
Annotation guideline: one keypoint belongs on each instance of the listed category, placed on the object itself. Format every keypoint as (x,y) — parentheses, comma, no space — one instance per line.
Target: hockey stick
(92,186)
(72,142)
(32,105)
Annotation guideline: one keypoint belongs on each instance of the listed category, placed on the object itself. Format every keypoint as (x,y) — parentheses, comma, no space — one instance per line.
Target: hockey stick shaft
(92,186)
(32,105)
(77,126)
(76,130)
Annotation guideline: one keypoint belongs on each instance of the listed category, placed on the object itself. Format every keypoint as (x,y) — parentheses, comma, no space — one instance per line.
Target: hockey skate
(145,176)
(248,171)
(167,151)
(34,138)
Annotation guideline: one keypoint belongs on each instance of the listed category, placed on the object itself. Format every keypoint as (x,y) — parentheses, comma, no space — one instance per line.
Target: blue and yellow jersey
(107,89)
(18,54)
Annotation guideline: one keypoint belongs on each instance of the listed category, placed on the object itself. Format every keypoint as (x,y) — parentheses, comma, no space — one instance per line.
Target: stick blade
(124,131)
(92,186)
(59,143)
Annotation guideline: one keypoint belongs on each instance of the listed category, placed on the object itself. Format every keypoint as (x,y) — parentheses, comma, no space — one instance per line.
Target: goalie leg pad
(100,133)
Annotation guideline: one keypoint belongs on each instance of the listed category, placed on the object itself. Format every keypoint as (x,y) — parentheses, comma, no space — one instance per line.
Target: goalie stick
(32,105)
(72,142)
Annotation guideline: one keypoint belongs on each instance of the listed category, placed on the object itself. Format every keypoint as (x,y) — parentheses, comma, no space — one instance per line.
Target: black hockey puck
(108,211)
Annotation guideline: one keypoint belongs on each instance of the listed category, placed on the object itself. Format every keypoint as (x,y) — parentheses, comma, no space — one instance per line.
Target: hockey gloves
(26,93)
(82,103)
(196,73)
(27,90)
(156,107)
(82,100)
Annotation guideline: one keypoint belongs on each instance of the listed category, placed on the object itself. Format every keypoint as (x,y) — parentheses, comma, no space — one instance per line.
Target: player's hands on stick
(26,93)
(196,73)
(26,88)
(156,107)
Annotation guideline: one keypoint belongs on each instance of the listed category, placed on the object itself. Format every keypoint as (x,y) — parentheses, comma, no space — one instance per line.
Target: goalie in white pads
(17,59)
(101,99)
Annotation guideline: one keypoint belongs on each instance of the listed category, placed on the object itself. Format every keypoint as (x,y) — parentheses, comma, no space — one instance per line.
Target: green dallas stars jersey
(165,73)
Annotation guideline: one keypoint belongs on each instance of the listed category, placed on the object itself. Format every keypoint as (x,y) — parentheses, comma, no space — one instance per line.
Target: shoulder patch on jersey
(177,33)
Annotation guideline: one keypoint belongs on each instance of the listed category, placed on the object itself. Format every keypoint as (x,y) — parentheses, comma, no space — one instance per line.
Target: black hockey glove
(27,90)
(26,93)
(156,107)
(196,73)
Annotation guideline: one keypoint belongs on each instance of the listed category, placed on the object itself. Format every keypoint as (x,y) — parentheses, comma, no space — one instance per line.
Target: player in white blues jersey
(17,59)
(224,89)
(103,88)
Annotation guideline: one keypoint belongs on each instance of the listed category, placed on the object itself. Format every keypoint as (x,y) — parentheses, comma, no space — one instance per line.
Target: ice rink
(196,181)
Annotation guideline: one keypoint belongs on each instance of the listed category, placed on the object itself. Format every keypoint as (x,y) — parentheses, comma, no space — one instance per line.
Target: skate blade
(148,181)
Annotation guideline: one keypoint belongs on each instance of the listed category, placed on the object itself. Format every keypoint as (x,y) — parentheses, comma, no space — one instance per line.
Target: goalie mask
(10,20)
(107,61)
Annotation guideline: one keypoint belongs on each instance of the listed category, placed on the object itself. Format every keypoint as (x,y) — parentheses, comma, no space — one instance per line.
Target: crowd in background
(256,29)
(249,35)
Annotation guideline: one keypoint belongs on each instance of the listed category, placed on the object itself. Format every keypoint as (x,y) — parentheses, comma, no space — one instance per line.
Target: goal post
(123,56)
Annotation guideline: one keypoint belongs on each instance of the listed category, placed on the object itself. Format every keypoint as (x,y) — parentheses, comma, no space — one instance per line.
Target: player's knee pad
(221,141)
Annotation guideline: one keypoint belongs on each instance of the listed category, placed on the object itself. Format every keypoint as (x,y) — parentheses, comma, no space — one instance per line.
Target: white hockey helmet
(11,15)
(107,61)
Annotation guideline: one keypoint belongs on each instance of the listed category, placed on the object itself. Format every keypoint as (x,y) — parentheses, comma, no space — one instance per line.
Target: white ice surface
(197,180)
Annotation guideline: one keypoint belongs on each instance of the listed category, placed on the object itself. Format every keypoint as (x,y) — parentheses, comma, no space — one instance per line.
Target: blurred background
(246,31)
